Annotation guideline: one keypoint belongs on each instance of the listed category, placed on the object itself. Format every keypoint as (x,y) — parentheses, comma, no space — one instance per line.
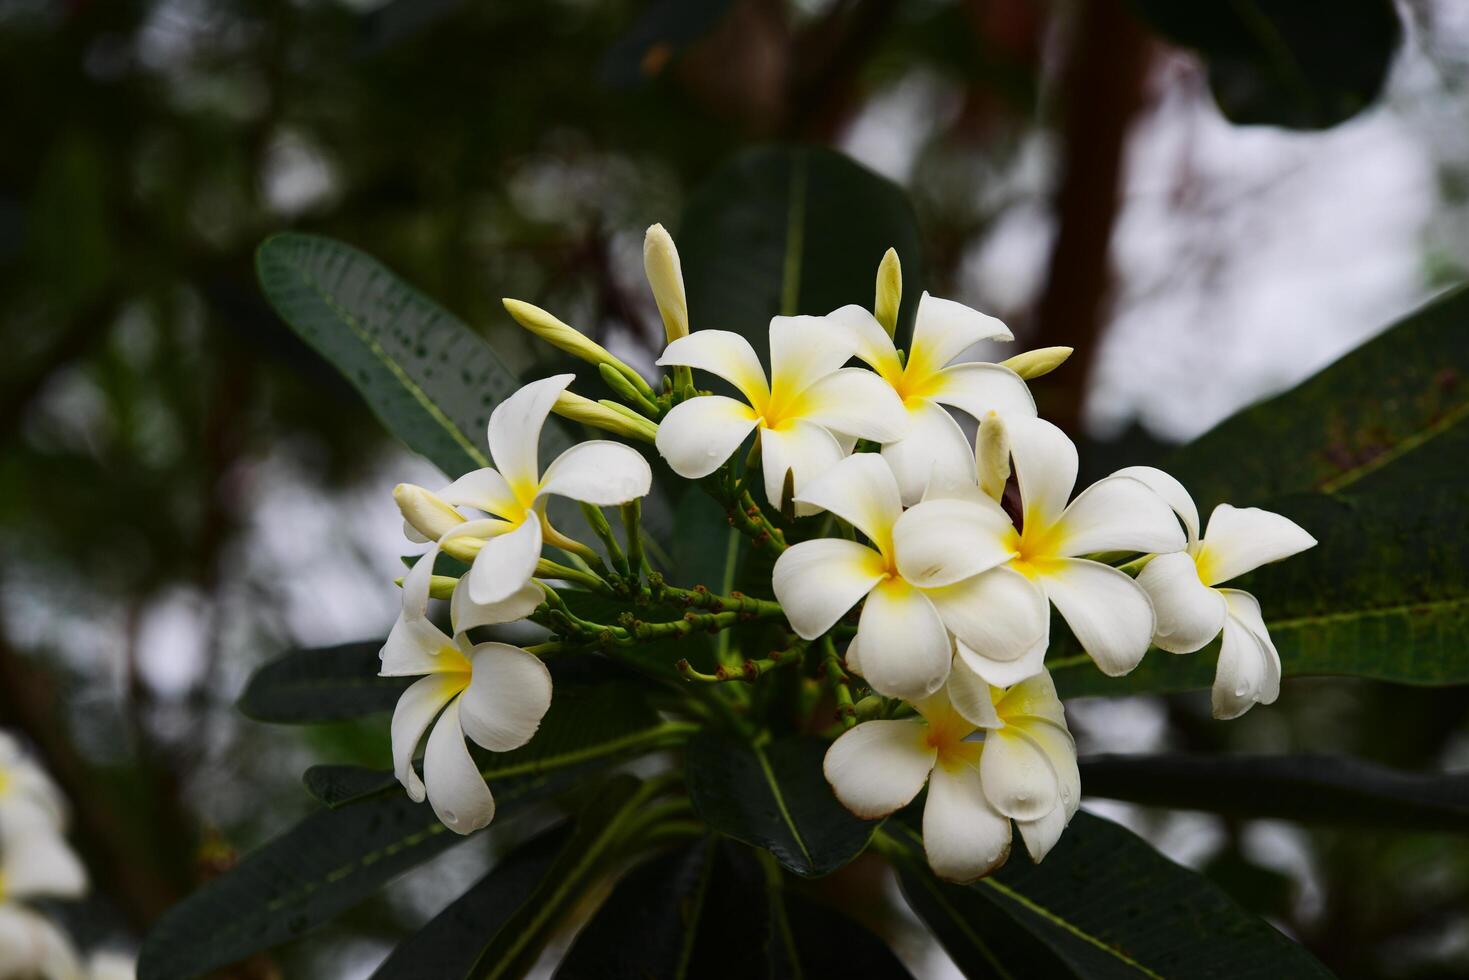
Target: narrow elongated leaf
(428,377)
(757,239)
(1103,904)
(1384,595)
(320,685)
(1328,789)
(1305,64)
(450,943)
(774,796)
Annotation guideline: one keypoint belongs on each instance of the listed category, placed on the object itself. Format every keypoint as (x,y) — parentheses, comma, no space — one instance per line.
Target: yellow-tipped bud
(605,415)
(439,586)
(556,333)
(889,291)
(1034,363)
(463,547)
(425,512)
(665,275)
(992,447)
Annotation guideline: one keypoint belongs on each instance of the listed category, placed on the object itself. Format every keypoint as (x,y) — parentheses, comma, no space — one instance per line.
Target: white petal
(999,615)
(416,646)
(934,451)
(417,582)
(697,436)
(817,581)
(1110,614)
(905,648)
(724,354)
(1249,666)
(963,835)
(1173,493)
(879,766)
(515,432)
(979,388)
(970,695)
(1045,467)
(853,661)
(36,862)
(1190,614)
(1119,514)
(466,614)
(856,402)
(804,448)
(874,346)
(861,491)
(1241,539)
(505,563)
(506,698)
(483,489)
(1017,776)
(805,349)
(417,707)
(940,542)
(31,946)
(1035,697)
(599,472)
(943,330)
(1041,835)
(1002,673)
(456,790)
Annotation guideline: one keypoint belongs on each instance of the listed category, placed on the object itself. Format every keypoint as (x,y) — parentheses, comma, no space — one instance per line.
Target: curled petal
(905,649)
(943,329)
(1119,514)
(515,432)
(940,542)
(879,766)
(817,581)
(1045,468)
(1173,493)
(1110,614)
(933,452)
(417,646)
(724,354)
(417,707)
(1041,835)
(456,790)
(970,695)
(1002,673)
(466,614)
(1018,777)
(805,349)
(1190,614)
(874,347)
(1241,539)
(857,402)
(417,582)
(978,388)
(805,449)
(482,489)
(1249,666)
(698,435)
(1033,698)
(506,563)
(861,491)
(507,696)
(599,472)
(964,836)
(999,615)
(31,946)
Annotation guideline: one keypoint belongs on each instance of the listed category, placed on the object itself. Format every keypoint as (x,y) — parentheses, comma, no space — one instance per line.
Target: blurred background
(187,491)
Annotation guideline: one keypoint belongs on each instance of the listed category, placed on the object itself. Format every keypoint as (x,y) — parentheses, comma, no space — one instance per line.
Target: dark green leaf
(658,35)
(1311,788)
(774,796)
(429,378)
(1102,904)
(451,941)
(1305,64)
(339,785)
(320,685)
(792,230)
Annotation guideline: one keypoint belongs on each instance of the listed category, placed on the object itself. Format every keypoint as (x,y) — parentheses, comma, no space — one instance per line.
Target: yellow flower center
(1204,564)
(915,383)
(947,735)
(1037,549)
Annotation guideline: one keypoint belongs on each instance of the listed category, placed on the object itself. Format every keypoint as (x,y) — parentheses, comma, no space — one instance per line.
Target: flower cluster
(37,864)
(935,558)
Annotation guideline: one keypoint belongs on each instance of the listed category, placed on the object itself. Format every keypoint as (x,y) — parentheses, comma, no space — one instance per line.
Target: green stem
(838,679)
(597,521)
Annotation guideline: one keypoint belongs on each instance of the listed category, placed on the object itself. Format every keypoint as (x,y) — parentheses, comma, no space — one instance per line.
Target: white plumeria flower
(809,402)
(1022,768)
(934,445)
(934,569)
(493,693)
(598,472)
(1192,611)
(1110,614)
(32,947)
(111,965)
(28,797)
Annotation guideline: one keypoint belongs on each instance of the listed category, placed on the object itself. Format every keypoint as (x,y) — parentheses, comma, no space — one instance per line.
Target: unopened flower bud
(565,337)
(425,512)
(1034,363)
(889,291)
(665,275)
(992,448)
(608,416)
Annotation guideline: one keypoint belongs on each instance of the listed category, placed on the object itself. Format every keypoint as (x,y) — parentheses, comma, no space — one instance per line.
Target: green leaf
(774,796)
(671,917)
(792,229)
(1305,64)
(336,785)
(449,944)
(427,376)
(1384,595)
(321,685)
(1327,789)
(1103,904)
